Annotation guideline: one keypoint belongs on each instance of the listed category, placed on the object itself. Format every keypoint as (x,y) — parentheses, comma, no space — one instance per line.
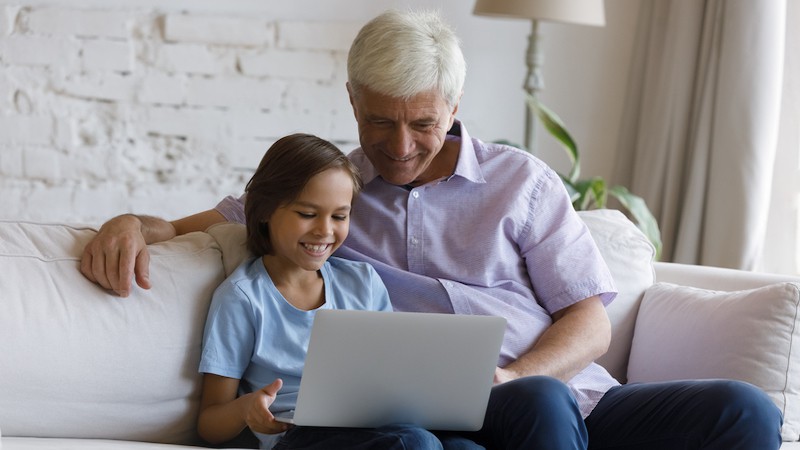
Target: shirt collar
(467,165)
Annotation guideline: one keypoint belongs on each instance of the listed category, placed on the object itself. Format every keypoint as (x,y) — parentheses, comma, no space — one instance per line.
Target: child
(297,212)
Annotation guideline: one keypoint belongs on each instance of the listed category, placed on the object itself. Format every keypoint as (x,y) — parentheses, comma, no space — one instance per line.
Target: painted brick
(173,202)
(110,196)
(50,203)
(39,163)
(317,35)
(8,15)
(73,22)
(26,129)
(161,88)
(39,51)
(317,96)
(186,122)
(100,86)
(246,154)
(218,30)
(308,65)
(11,161)
(273,125)
(195,58)
(87,164)
(11,205)
(103,54)
(5,92)
(235,92)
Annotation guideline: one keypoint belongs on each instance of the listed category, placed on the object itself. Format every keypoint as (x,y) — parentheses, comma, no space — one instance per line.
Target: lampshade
(584,12)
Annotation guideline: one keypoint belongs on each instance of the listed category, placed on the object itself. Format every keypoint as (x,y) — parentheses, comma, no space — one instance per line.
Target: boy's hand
(259,418)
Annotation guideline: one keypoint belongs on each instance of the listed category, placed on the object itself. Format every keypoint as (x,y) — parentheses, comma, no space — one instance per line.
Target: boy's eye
(341,217)
(305,215)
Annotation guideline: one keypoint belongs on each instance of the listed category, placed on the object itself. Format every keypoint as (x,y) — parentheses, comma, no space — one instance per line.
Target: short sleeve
(562,258)
(229,336)
(232,208)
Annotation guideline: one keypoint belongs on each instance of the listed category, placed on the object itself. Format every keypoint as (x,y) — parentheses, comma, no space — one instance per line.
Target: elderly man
(456,225)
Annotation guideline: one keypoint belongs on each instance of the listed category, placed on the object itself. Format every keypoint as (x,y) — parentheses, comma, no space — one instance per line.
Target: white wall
(111,106)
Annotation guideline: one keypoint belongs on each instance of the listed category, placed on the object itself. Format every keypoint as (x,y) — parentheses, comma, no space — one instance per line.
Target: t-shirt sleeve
(229,336)
(380,295)
(232,208)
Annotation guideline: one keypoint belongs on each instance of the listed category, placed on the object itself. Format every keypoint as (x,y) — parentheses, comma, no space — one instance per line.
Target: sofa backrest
(79,362)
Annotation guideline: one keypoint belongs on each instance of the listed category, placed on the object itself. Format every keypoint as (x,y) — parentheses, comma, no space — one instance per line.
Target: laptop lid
(370,368)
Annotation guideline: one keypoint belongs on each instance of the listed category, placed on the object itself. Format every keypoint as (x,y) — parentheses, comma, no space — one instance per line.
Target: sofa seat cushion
(750,335)
(79,362)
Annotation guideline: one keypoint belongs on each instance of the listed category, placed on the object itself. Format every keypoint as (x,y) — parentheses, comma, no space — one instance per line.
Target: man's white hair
(402,54)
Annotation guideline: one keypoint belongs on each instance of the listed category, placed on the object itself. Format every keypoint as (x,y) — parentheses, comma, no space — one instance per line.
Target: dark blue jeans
(541,413)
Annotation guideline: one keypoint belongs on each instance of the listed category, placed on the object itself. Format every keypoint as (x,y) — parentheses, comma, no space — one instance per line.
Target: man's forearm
(577,337)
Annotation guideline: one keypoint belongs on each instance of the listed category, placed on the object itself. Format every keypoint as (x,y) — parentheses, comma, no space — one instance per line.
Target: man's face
(403,139)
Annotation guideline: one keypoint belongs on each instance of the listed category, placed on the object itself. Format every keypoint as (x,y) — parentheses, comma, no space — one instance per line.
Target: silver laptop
(367,369)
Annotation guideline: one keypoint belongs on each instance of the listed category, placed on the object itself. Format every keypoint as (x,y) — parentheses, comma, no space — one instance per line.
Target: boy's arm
(223,416)
(118,252)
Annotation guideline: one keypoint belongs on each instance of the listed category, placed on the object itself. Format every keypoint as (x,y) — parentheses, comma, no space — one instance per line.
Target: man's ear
(455,110)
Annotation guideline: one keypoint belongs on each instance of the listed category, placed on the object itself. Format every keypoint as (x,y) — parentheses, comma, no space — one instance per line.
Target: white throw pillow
(689,333)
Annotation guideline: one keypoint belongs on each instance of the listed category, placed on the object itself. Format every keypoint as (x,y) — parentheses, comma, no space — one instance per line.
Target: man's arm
(118,252)
(580,333)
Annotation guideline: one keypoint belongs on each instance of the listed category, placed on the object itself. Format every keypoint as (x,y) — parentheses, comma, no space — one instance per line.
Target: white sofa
(83,369)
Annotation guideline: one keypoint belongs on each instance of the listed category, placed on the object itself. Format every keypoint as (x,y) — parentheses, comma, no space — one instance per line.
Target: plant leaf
(592,194)
(641,214)
(556,128)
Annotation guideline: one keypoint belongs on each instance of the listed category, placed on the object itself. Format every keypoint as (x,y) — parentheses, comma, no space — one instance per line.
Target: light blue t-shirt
(254,334)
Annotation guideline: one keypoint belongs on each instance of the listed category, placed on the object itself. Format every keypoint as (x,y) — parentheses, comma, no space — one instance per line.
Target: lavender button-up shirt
(498,237)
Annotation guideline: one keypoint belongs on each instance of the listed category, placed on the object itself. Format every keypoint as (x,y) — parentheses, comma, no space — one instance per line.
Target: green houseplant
(591,193)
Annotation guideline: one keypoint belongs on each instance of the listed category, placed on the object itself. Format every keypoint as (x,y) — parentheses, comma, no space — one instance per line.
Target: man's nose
(401,143)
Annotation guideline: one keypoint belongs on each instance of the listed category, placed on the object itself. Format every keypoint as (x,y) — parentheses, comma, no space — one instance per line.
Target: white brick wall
(130,108)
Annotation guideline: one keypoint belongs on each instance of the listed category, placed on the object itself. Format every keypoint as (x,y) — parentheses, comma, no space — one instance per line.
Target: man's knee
(541,393)
(746,407)
(535,412)
(412,437)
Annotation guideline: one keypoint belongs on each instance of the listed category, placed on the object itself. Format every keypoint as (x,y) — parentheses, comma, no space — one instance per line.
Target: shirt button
(414,241)
(415,194)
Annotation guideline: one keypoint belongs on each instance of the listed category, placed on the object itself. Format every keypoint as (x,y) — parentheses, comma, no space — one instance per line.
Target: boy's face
(306,232)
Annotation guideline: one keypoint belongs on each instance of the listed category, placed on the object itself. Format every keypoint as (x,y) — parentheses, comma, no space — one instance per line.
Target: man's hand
(258,417)
(504,375)
(116,254)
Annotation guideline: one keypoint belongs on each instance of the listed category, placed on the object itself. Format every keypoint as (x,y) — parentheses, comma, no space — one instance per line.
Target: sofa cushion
(79,362)
(629,255)
(751,335)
